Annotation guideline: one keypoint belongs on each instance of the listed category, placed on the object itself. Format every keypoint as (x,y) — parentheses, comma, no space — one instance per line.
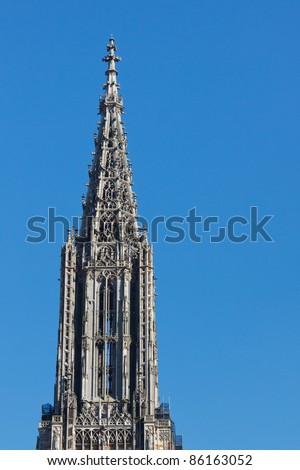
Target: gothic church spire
(110,176)
(106,391)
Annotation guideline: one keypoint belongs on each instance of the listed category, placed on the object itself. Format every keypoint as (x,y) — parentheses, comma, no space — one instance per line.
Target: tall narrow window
(111,308)
(101,305)
(109,368)
(110,324)
(100,370)
(112,298)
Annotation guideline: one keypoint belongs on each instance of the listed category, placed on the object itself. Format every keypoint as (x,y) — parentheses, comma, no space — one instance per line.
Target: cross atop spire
(111,58)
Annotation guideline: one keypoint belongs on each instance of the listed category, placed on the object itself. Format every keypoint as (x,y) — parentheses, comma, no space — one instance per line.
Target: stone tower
(106,390)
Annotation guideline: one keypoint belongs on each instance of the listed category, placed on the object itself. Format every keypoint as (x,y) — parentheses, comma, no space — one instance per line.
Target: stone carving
(56,437)
(106,256)
(107,340)
(149,437)
(119,418)
(89,415)
(164,435)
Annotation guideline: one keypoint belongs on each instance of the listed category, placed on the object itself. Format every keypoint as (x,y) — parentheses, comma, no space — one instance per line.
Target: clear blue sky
(211,90)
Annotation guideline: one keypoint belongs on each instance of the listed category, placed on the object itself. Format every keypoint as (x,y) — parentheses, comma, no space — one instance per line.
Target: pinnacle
(111,48)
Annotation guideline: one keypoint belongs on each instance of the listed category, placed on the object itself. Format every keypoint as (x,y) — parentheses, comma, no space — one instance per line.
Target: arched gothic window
(108,227)
(95,440)
(101,303)
(79,440)
(87,440)
(107,332)
(109,191)
(111,308)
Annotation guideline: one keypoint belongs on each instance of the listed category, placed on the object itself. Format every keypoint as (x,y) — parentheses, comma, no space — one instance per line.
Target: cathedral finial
(111,58)
(111,48)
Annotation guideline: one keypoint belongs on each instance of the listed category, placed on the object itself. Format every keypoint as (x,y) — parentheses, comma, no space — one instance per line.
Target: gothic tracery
(106,392)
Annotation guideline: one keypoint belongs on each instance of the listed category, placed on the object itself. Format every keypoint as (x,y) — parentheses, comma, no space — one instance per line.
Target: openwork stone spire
(110,177)
(106,391)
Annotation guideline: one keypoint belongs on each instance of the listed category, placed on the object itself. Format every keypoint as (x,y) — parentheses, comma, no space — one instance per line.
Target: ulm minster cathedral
(106,390)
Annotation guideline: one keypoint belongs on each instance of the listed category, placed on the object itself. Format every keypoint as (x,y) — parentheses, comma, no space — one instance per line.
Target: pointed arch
(109,190)
(79,439)
(87,440)
(108,227)
(95,440)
